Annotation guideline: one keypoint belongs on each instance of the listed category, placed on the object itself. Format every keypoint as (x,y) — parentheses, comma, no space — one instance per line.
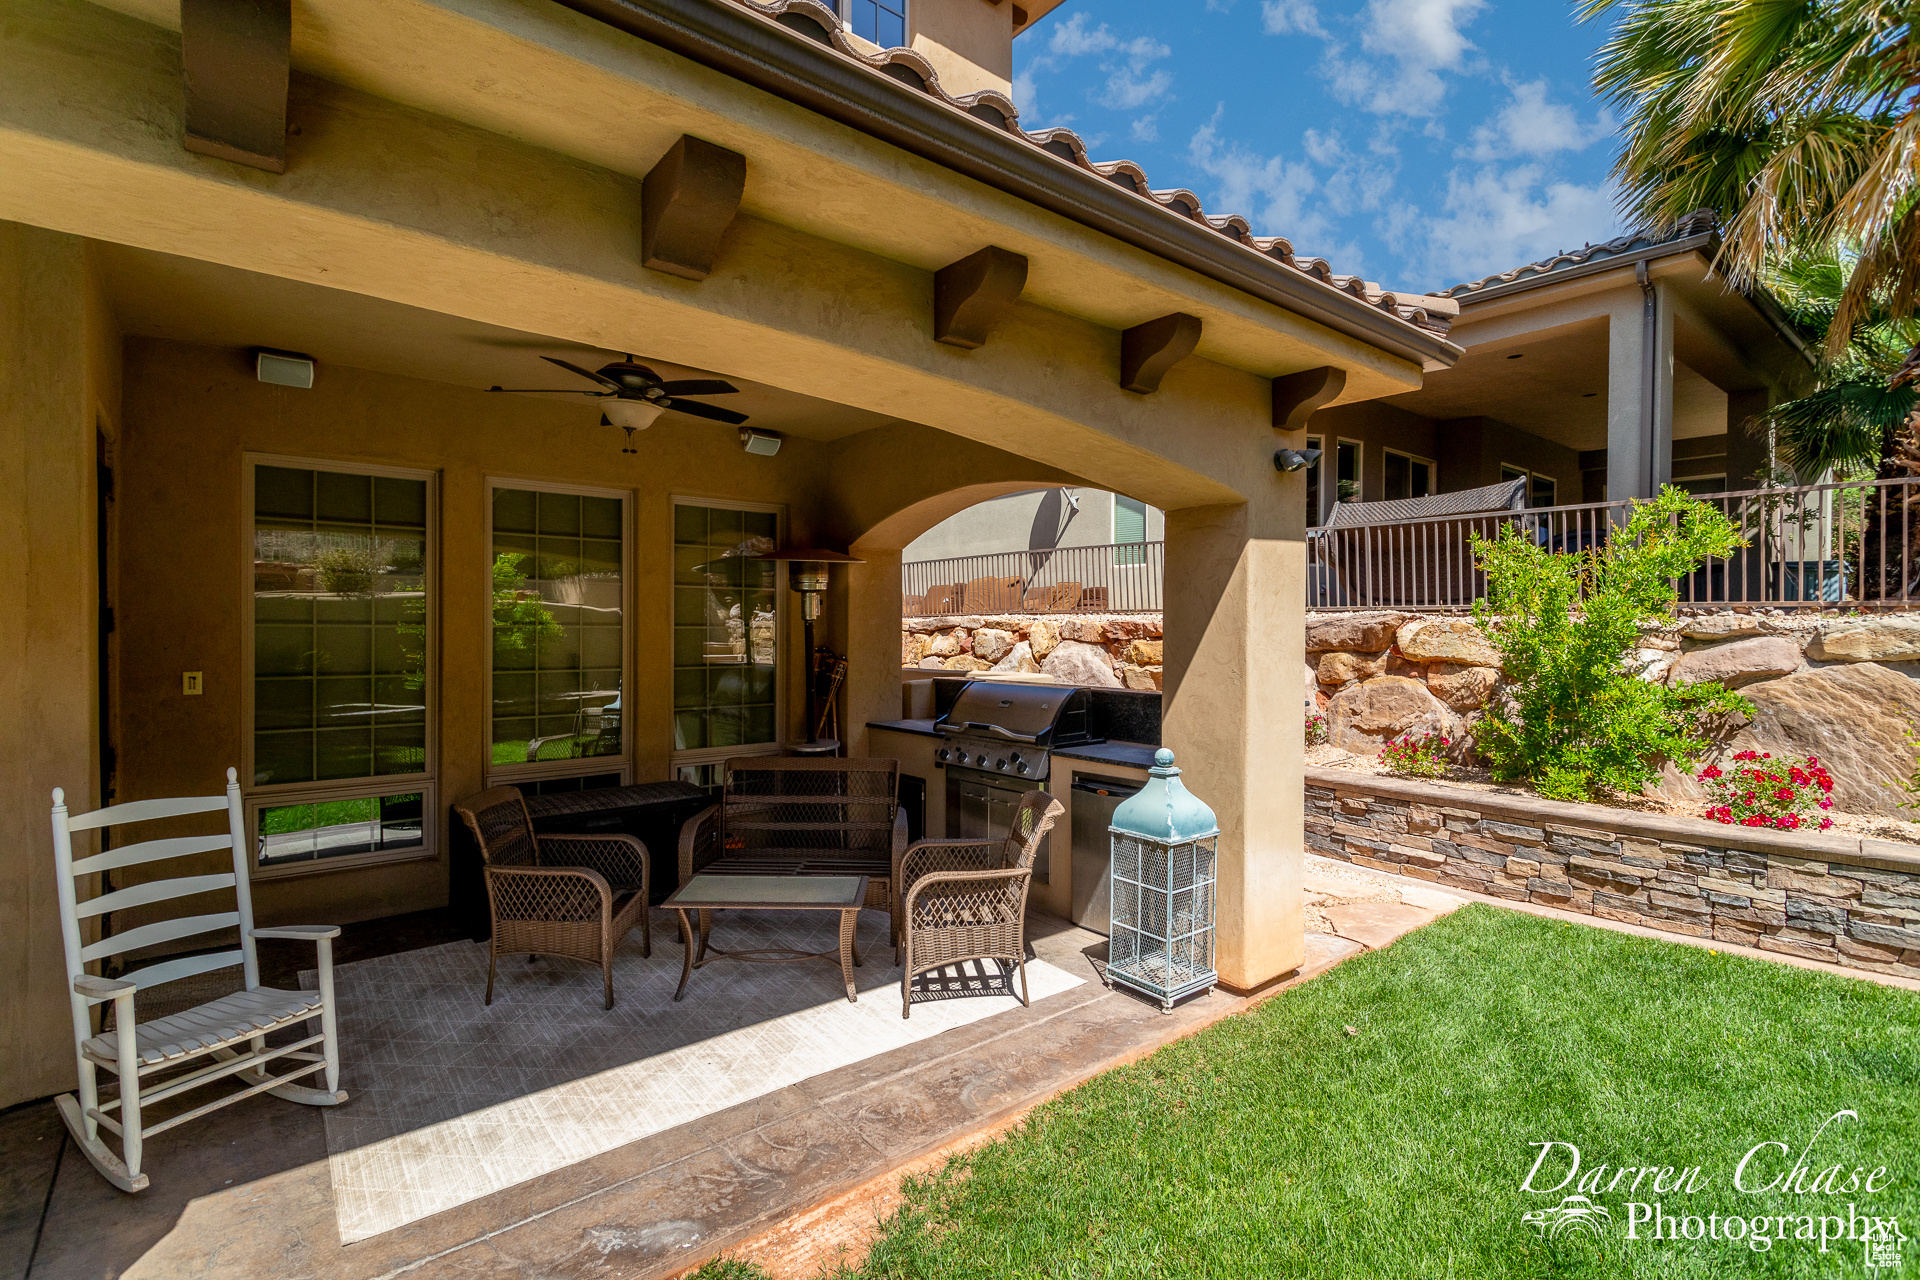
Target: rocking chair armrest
(93,988)
(299,932)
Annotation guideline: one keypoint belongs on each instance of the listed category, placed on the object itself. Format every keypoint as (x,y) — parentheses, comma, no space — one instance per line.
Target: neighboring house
(374,586)
(1041,520)
(1602,373)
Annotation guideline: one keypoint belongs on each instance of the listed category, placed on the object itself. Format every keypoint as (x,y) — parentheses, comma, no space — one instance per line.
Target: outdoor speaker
(764,443)
(283,368)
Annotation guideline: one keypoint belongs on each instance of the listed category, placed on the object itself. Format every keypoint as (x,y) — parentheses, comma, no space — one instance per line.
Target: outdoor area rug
(450,1100)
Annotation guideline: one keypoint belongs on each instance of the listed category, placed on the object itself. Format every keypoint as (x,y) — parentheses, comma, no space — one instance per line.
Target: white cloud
(1146,129)
(1071,39)
(1132,83)
(1422,38)
(1128,90)
(1026,94)
(1284,17)
(1532,125)
(1494,220)
(1271,193)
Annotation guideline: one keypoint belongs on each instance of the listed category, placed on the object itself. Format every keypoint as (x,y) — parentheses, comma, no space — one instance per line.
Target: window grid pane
(725,650)
(291,833)
(559,626)
(882,21)
(340,623)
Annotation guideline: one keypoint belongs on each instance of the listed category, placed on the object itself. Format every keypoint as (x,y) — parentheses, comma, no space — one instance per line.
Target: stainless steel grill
(1009,730)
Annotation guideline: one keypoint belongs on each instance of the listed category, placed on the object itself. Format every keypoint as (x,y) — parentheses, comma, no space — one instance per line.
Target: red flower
(1825,823)
(1784,793)
(1711,771)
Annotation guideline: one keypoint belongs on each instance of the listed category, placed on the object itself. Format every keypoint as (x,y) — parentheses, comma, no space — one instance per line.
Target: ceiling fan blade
(699,387)
(609,383)
(695,409)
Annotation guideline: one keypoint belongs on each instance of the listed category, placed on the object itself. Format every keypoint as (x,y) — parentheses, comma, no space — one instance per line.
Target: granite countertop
(1135,755)
(922,727)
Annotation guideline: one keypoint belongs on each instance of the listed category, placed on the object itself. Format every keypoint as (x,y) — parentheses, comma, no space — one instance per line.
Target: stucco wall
(1036,519)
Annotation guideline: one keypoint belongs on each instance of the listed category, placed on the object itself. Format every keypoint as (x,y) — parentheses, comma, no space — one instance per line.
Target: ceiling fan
(632,395)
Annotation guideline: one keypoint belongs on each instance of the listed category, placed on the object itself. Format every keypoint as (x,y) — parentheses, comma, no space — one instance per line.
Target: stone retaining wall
(1843,900)
(1111,650)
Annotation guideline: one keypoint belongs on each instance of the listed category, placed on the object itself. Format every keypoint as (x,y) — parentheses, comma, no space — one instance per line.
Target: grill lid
(1020,712)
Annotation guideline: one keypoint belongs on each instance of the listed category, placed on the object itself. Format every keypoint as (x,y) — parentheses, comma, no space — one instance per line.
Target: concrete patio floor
(246,1192)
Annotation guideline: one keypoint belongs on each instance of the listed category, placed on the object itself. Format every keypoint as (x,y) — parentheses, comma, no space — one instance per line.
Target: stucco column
(1639,392)
(1235,648)
(51,387)
(871,595)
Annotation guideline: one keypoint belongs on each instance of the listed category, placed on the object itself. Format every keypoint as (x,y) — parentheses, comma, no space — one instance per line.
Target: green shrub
(1577,719)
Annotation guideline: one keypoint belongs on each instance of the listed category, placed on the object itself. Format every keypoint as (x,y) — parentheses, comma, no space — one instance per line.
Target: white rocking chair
(231,1031)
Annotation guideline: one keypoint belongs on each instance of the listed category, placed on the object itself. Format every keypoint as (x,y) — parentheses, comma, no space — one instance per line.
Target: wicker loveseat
(802,815)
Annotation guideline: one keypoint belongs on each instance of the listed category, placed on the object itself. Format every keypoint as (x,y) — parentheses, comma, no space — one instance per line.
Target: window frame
(1433,472)
(546,770)
(1316,482)
(1532,478)
(843,9)
(1359,469)
(255,797)
(781,720)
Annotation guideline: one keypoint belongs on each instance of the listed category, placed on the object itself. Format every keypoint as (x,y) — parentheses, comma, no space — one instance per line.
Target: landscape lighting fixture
(1294,460)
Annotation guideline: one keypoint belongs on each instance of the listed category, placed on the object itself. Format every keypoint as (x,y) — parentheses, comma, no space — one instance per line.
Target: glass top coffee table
(709,893)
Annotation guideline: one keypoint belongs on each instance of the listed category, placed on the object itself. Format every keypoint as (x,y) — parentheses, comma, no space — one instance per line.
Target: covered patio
(302,484)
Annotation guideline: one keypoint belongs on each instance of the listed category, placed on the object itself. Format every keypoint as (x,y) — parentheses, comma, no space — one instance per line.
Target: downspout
(1649,335)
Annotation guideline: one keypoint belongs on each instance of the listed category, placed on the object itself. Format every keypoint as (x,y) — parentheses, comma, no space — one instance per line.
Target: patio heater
(1163,843)
(807,570)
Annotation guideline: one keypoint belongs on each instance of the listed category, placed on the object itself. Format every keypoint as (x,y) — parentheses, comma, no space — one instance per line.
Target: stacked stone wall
(1842,900)
(1110,650)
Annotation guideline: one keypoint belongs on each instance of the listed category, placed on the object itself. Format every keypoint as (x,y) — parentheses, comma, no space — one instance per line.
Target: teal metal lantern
(1163,841)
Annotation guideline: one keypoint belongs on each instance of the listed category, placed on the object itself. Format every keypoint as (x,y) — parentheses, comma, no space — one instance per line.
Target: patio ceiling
(159,295)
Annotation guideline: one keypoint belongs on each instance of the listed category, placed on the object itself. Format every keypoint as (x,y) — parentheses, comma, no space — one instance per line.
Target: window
(1313,486)
(882,21)
(1540,489)
(726,629)
(558,581)
(1405,476)
(1697,485)
(1129,530)
(1346,462)
(340,645)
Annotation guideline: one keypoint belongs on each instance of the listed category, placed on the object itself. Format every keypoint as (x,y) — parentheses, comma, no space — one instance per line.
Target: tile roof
(1699,222)
(816,21)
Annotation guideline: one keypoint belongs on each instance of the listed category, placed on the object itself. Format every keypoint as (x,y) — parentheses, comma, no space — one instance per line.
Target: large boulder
(992,643)
(1363,718)
(1042,635)
(1446,640)
(1868,640)
(1462,688)
(1132,629)
(1144,653)
(913,648)
(1738,662)
(1345,668)
(1365,632)
(1313,687)
(1077,662)
(1018,658)
(1085,630)
(944,645)
(1857,718)
(1145,679)
(966,662)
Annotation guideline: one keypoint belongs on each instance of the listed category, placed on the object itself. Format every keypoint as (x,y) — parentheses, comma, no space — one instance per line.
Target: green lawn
(1279,1145)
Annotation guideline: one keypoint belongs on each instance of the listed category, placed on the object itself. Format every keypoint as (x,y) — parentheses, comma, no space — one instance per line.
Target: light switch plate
(190,684)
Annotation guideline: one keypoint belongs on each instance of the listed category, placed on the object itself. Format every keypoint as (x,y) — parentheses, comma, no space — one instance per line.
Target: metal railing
(1122,577)
(1849,543)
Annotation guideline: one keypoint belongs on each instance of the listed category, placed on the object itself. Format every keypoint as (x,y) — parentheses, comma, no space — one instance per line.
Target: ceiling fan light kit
(632,396)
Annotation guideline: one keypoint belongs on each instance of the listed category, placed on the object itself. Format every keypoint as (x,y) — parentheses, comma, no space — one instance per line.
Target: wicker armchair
(804,815)
(967,899)
(556,895)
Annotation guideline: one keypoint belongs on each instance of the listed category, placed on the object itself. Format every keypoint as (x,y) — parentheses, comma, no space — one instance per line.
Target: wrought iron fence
(1849,543)
(1121,577)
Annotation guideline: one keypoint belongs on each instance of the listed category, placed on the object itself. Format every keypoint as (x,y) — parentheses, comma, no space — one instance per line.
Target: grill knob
(1001,763)
(1021,767)
(943,754)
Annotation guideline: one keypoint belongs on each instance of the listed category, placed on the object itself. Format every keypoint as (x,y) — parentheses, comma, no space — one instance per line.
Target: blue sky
(1419,143)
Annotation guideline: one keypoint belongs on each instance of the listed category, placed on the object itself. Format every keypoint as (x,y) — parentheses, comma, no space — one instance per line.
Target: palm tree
(1798,120)
(1851,423)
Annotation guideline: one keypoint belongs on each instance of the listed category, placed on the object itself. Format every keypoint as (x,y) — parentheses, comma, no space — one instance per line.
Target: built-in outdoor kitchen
(970,748)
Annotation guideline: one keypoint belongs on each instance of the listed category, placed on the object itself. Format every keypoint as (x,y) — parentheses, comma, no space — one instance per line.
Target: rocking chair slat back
(145,811)
(149,935)
(132,855)
(140,895)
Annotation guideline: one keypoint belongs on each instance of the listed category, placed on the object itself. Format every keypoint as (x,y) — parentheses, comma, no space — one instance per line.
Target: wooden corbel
(235,57)
(1298,396)
(686,204)
(972,295)
(1148,350)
